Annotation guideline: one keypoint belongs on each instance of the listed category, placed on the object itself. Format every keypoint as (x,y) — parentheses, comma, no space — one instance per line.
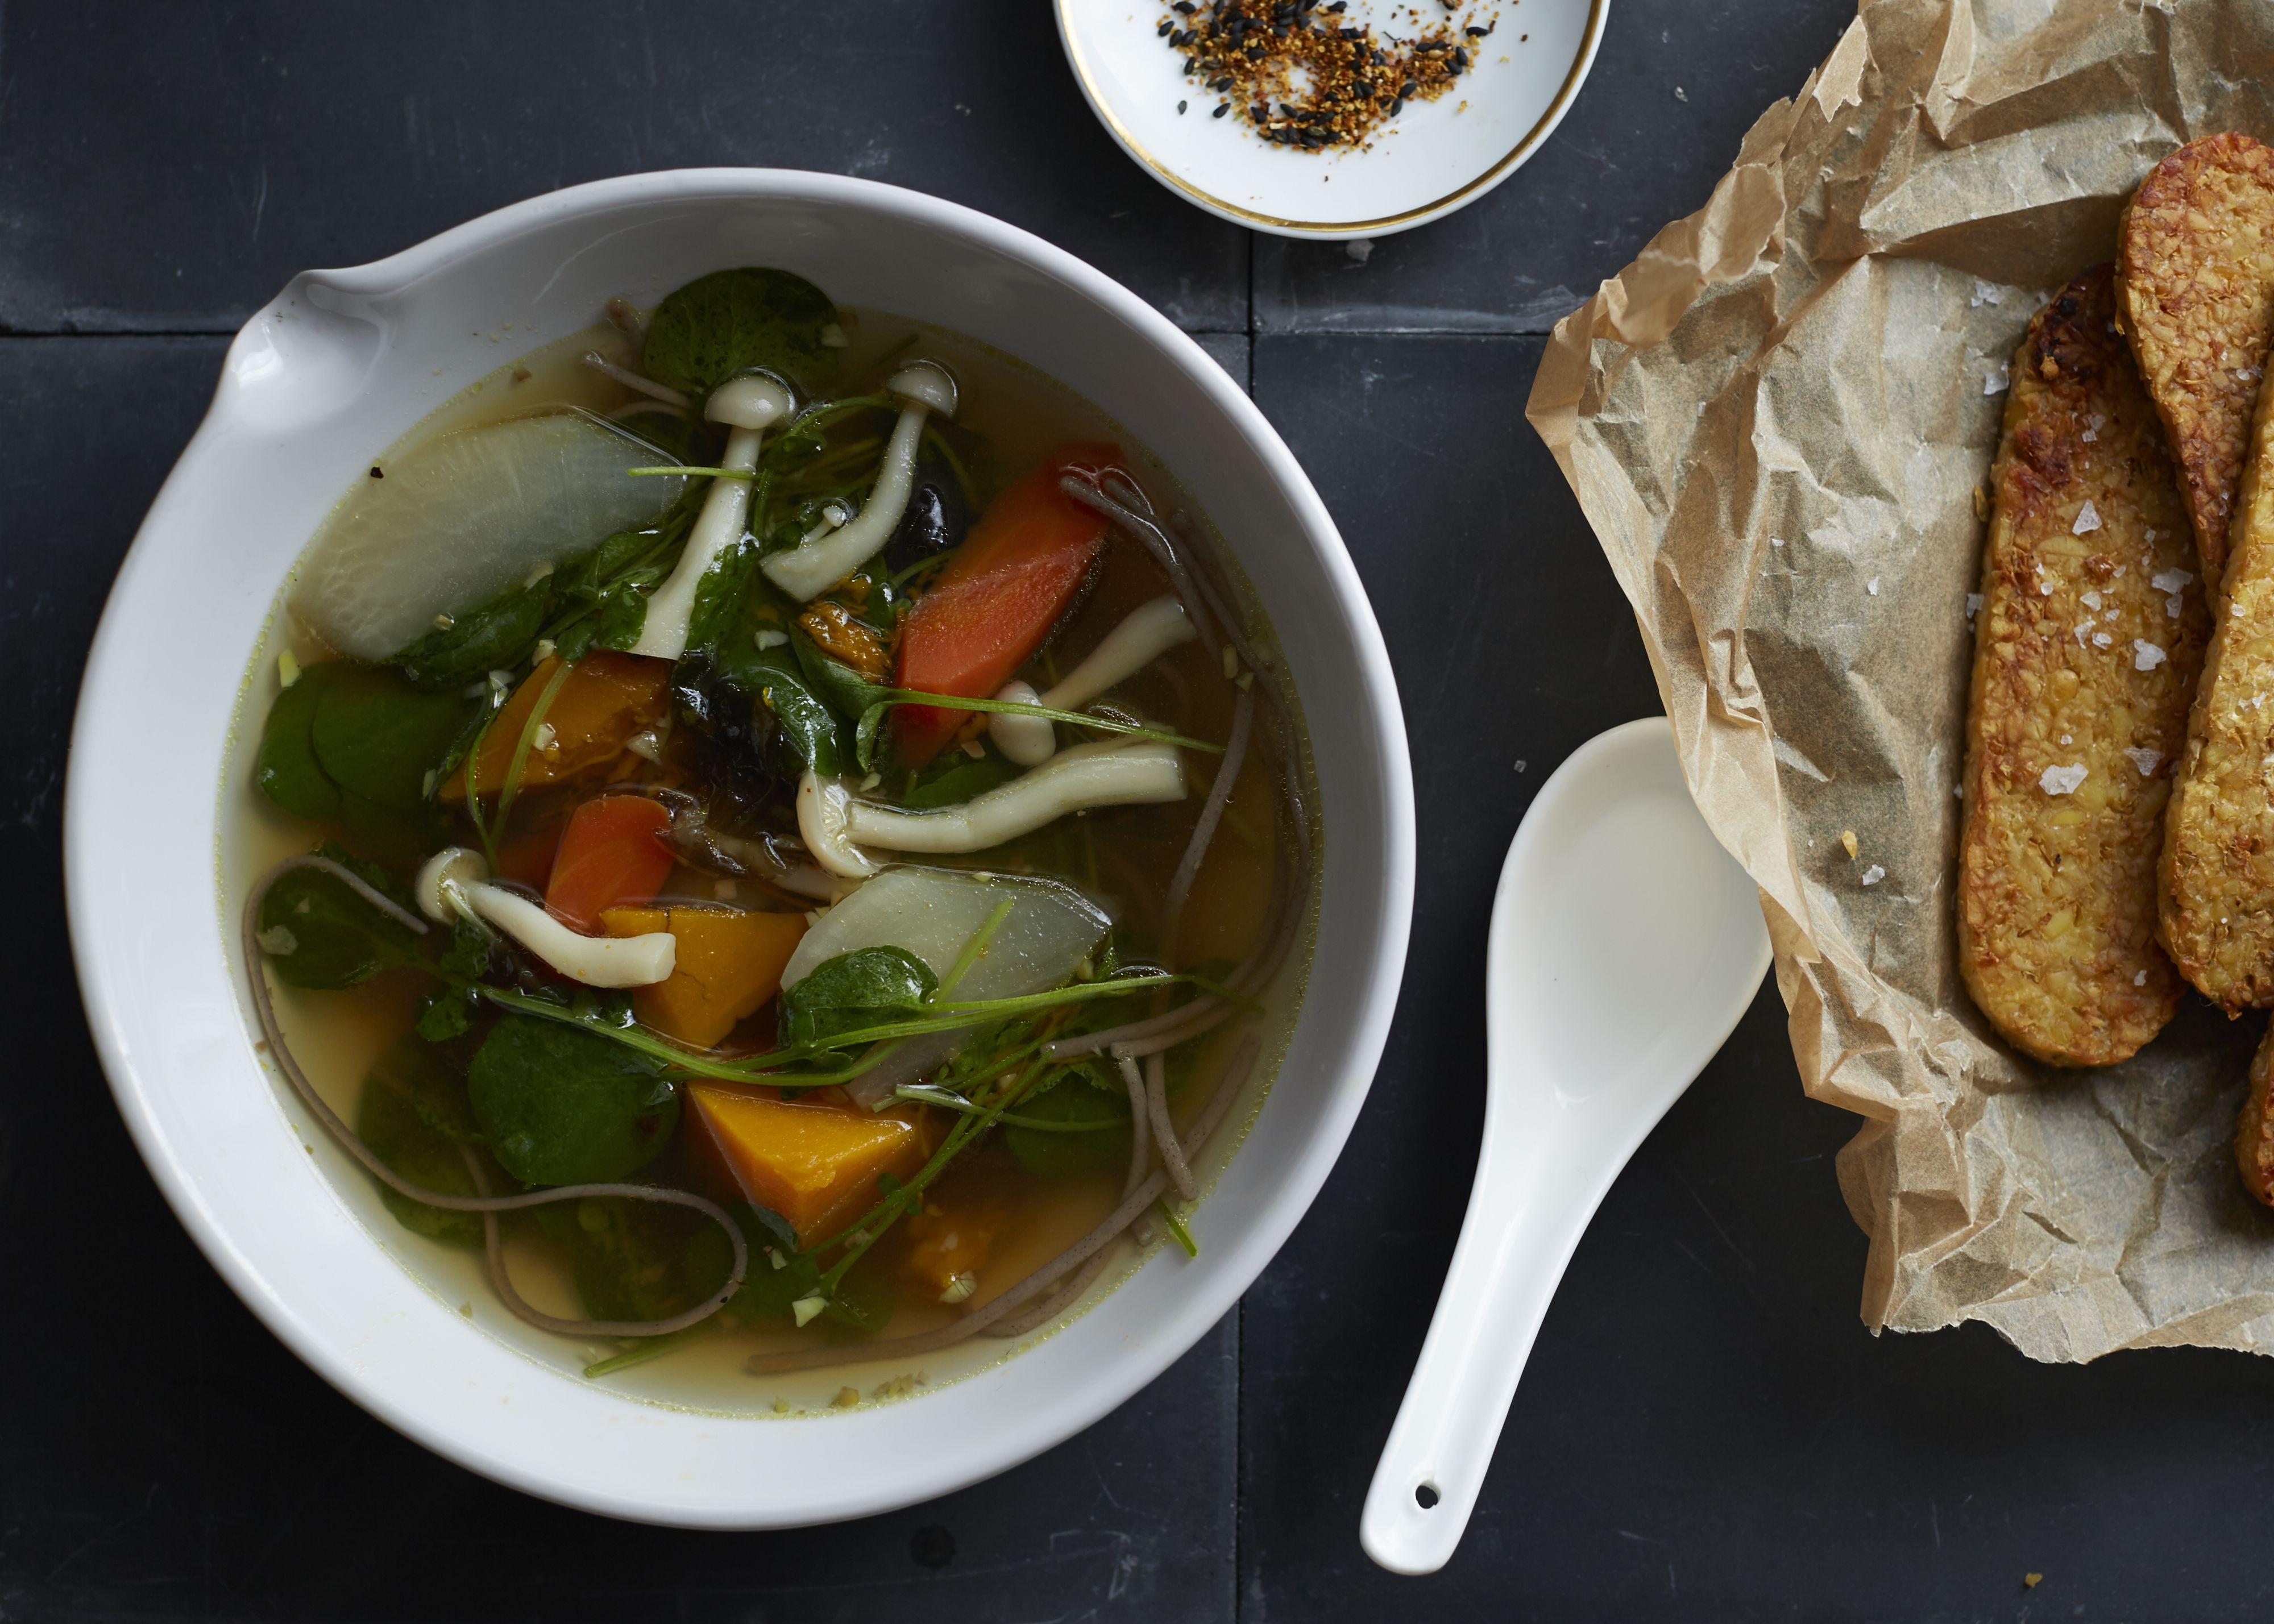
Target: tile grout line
(1251,332)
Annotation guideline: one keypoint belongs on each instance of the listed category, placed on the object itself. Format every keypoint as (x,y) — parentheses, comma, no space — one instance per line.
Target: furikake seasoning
(1303,75)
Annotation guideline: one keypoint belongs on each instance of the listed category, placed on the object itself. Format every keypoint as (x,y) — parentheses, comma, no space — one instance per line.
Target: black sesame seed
(1163,31)
(1184,6)
(375,472)
(1182,37)
(1407,89)
(1461,58)
(1180,106)
(1398,106)
(1475,33)
(1352,34)
(1222,108)
(1339,7)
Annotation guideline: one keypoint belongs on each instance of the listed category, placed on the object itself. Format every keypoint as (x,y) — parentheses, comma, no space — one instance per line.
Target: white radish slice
(933,913)
(463,516)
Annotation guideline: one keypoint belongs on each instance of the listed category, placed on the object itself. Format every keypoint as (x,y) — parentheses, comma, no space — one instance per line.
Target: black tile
(1705,1429)
(1676,87)
(163,1456)
(168,167)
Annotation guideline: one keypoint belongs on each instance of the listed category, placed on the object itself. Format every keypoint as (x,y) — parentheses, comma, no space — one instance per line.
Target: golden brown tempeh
(2254,1127)
(2089,635)
(2218,873)
(2196,282)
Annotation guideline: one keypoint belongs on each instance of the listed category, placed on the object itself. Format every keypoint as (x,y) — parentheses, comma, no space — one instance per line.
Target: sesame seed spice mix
(1304,75)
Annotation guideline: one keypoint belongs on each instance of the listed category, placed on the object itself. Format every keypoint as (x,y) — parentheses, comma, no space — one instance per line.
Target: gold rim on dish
(1486,179)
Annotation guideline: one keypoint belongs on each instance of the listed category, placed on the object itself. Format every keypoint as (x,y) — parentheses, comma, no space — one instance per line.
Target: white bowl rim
(106,996)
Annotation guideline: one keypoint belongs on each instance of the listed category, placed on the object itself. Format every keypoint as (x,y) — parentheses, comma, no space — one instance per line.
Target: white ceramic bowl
(336,368)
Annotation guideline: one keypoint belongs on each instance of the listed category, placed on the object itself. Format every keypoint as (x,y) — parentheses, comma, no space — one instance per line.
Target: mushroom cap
(751,401)
(453,865)
(923,383)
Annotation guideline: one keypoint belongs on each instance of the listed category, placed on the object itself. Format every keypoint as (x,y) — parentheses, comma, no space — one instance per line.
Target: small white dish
(1434,158)
(338,367)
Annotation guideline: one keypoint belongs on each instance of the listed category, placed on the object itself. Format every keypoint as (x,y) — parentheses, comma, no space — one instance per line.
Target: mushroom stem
(455,880)
(747,406)
(631,379)
(836,824)
(817,564)
(1150,631)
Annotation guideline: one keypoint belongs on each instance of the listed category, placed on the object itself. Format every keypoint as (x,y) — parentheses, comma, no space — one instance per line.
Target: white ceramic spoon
(1625,945)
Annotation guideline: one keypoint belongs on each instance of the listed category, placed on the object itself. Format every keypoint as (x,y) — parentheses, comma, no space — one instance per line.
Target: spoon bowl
(1625,946)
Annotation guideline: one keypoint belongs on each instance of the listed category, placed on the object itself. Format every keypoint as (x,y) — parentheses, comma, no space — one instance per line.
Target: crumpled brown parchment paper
(1777,419)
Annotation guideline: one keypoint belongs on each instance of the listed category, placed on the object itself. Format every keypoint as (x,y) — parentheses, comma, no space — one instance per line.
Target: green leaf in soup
(285,766)
(372,873)
(808,728)
(957,780)
(864,1302)
(445,1014)
(377,736)
(318,933)
(842,688)
(867,987)
(645,1259)
(497,636)
(1074,1100)
(408,1090)
(717,325)
(562,1105)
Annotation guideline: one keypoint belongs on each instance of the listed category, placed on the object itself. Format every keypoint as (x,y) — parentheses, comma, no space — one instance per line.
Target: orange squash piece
(814,1160)
(729,963)
(608,699)
(951,1241)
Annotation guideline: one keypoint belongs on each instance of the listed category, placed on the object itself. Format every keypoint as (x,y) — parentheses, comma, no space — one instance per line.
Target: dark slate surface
(1705,1430)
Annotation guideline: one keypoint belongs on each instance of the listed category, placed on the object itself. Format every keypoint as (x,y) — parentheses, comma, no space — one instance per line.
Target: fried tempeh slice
(2088,638)
(2195,279)
(2218,873)
(2254,1127)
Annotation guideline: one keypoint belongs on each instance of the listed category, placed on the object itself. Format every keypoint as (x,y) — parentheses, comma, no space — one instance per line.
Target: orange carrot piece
(997,598)
(613,854)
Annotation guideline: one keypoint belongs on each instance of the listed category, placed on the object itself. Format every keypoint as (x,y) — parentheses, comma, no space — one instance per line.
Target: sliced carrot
(729,963)
(613,854)
(815,1161)
(607,700)
(999,597)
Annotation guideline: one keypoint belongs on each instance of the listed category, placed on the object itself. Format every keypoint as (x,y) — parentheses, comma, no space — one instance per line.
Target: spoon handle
(1525,1216)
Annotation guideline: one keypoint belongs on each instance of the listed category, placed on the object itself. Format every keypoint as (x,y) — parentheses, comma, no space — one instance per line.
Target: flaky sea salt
(1873,875)
(2092,600)
(1995,383)
(2088,520)
(2145,655)
(2139,978)
(1872,586)
(2170,580)
(2061,780)
(2145,759)
(2101,640)
(1973,604)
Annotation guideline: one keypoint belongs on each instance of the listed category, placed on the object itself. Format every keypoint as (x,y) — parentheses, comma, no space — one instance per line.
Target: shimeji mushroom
(748,405)
(1150,631)
(820,562)
(836,824)
(455,880)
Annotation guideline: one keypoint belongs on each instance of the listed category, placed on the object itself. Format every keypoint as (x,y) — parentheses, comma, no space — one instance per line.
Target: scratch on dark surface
(149,1504)
(1742,1256)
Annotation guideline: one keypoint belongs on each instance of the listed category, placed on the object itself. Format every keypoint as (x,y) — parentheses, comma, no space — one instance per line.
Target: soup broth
(628,870)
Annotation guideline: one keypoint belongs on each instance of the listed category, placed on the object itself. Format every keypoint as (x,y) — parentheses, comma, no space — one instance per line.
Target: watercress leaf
(497,636)
(842,688)
(620,617)
(397,1118)
(318,933)
(379,736)
(719,599)
(285,766)
(755,316)
(371,873)
(808,728)
(468,954)
(867,987)
(864,1300)
(1070,1155)
(645,1259)
(562,1105)
(767,1292)
(958,779)
(444,1015)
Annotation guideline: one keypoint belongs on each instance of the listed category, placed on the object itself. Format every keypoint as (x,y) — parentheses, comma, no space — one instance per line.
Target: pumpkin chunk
(607,700)
(814,1162)
(729,963)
